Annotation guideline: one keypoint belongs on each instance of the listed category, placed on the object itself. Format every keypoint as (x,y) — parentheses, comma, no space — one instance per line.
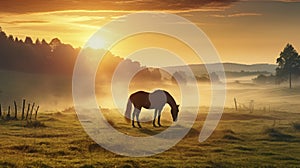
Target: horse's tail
(128,111)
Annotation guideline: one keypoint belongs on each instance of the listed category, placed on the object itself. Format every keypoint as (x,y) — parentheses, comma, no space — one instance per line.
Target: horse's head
(174,112)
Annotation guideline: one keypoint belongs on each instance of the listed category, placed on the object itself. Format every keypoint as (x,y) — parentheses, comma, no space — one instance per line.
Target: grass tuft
(95,148)
(232,137)
(276,134)
(34,124)
(44,143)
(87,166)
(24,148)
(39,164)
(7,164)
(229,131)
(296,126)
(243,148)
(126,165)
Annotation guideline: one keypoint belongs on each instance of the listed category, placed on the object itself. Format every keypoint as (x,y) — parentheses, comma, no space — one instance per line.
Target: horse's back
(139,94)
(157,99)
(154,100)
(140,99)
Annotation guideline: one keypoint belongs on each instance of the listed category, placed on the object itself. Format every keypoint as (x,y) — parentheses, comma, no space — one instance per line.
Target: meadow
(267,137)
(242,139)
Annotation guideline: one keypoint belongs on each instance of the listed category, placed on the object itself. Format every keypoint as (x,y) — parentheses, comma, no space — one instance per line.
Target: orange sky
(242,31)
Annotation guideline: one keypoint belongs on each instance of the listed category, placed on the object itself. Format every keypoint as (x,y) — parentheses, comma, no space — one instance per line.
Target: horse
(155,100)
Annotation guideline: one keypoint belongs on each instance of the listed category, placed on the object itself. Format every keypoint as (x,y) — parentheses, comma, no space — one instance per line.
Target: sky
(242,31)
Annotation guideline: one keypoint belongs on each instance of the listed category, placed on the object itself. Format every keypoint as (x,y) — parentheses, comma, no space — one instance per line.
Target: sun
(96,43)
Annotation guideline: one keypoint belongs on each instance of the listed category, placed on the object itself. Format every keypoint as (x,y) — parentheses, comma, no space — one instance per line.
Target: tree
(38,42)
(28,40)
(288,64)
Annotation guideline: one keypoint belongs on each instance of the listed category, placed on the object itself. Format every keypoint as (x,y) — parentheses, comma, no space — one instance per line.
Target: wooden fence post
(8,113)
(31,110)
(36,111)
(27,110)
(23,108)
(235,104)
(16,110)
(251,106)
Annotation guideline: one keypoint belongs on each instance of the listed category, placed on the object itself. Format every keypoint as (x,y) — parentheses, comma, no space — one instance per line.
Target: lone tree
(288,64)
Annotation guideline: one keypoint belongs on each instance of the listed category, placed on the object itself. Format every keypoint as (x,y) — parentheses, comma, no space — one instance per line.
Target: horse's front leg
(155,114)
(158,122)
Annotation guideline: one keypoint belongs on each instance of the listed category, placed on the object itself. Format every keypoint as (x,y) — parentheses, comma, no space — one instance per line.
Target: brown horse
(155,100)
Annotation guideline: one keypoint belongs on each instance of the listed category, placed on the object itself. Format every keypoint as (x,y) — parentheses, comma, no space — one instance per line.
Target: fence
(32,109)
(249,106)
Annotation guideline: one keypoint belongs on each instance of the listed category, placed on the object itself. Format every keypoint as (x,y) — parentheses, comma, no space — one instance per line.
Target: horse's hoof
(154,125)
(133,126)
(159,125)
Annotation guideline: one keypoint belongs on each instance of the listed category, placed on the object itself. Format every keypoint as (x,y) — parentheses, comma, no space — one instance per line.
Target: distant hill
(228,67)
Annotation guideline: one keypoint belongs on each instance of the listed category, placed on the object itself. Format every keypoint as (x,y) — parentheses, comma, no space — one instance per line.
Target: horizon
(81,47)
(137,60)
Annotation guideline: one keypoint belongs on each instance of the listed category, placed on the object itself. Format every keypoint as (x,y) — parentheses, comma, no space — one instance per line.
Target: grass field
(259,139)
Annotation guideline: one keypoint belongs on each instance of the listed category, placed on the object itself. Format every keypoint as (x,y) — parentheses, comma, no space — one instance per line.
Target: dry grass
(34,124)
(240,140)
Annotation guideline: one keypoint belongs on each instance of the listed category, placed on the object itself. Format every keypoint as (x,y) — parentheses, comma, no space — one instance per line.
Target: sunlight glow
(96,43)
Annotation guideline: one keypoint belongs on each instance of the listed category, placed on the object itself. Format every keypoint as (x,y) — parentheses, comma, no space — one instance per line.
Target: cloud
(288,0)
(26,22)
(29,6)
(236,15)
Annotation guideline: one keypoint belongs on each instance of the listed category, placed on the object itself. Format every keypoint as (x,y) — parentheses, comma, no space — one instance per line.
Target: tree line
(56,57)
(36,57)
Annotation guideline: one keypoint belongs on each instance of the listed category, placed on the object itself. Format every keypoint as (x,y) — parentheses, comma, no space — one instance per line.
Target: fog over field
(54,92)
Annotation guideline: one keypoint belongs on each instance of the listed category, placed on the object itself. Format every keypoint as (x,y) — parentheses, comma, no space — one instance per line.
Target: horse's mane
(170,98)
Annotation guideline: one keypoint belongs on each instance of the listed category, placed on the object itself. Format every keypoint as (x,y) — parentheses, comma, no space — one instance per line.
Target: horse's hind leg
(155,114)
(133,115)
